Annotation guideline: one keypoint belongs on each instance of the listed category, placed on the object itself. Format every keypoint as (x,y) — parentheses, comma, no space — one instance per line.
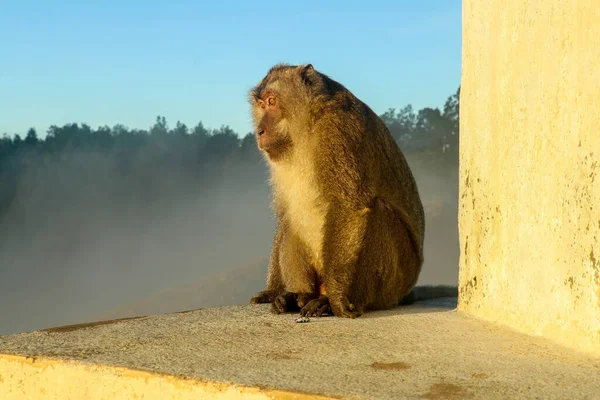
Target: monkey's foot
(266,296)
(285,302)
(316,307)
(305,298)
(342,307)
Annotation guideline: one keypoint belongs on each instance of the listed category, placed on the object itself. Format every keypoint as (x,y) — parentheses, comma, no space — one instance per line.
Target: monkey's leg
(345,229)
(275,285)
(298,276)
(383,264)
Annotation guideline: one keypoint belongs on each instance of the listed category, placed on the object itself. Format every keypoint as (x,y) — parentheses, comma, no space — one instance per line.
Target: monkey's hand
(341,307)
(266,296)
(315,307)
(305,298)
(285,302)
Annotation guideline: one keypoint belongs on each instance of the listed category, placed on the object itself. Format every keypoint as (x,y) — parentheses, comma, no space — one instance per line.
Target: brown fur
(350,220)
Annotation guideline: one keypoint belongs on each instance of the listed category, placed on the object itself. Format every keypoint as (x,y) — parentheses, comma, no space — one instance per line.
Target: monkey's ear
(307,73)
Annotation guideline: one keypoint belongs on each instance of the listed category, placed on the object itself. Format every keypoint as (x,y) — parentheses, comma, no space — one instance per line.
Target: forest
(75,153)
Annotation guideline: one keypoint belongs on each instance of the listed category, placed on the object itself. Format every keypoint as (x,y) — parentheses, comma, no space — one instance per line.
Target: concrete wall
(529,214)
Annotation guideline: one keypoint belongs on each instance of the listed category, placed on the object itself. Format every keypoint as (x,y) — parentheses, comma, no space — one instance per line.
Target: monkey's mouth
(272,144)
(265,140)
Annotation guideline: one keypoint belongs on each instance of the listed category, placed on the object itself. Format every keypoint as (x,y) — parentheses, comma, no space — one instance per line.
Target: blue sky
(126,62)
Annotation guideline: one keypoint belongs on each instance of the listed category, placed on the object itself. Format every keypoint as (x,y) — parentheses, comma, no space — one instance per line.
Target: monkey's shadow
(444,304)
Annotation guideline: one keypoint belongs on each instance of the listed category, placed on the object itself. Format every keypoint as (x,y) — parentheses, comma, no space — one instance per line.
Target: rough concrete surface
(423,351)
(529,215)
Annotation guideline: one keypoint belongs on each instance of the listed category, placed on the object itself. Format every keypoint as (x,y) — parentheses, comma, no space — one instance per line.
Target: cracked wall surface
(529,214)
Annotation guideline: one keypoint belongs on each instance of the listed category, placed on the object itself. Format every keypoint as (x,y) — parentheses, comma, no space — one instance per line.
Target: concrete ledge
(427,350)
(40,378)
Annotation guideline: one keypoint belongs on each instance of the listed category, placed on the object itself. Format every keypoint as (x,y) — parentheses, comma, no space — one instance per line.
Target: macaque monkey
(351,224)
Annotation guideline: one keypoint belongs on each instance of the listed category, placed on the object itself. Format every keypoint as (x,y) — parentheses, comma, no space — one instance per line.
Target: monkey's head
(282,106)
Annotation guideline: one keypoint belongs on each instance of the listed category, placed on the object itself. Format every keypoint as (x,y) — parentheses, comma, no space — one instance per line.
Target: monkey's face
(272,137)
(281,103)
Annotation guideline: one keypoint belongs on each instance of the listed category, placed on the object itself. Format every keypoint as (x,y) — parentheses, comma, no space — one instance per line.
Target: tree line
(203,155)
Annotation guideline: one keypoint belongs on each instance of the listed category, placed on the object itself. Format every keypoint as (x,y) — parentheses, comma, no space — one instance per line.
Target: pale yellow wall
(529,214)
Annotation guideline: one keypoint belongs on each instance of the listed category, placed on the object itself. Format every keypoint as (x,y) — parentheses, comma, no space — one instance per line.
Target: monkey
(350,221)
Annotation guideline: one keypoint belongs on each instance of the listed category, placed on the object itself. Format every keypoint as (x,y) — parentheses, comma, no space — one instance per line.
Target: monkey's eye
(261,103)
(271,101)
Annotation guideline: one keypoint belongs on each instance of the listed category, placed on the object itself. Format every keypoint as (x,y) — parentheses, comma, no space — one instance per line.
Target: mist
(94,227)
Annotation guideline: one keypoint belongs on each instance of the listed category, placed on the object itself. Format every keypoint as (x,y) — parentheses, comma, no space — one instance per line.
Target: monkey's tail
(429,292)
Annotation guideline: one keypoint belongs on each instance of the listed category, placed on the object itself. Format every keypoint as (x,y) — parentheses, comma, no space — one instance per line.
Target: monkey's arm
(274,282)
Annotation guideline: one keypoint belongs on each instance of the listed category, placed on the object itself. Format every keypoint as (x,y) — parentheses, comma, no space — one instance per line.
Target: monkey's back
(383,169)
